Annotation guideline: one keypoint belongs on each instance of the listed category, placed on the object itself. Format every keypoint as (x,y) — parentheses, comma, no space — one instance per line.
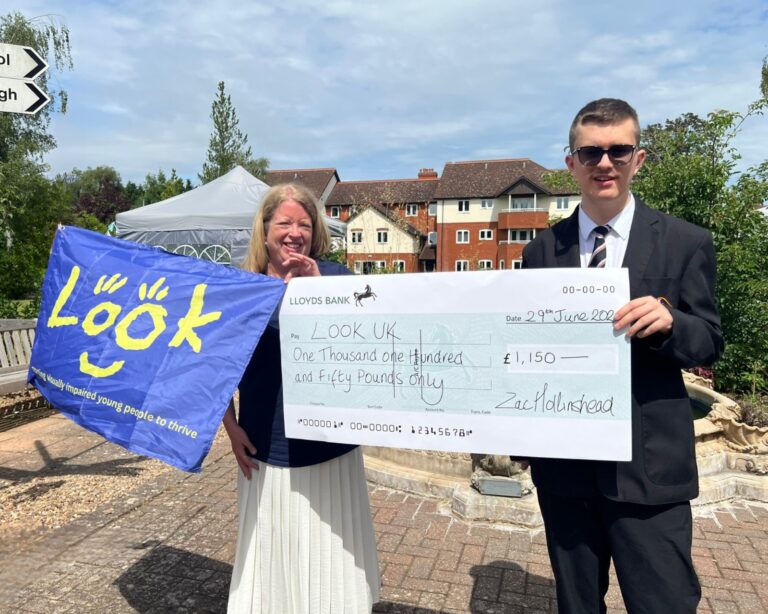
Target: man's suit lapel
(567,242)
(643,239)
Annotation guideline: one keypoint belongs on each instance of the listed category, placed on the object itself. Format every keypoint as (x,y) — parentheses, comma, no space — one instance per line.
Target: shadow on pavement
(168,579)
(62,465)
(499,586)
(506,584)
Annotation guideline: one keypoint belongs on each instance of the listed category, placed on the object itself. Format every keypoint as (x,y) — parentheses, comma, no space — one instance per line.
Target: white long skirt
(305,543)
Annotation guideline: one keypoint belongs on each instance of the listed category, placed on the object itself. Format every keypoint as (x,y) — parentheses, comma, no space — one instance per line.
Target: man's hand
(644,316)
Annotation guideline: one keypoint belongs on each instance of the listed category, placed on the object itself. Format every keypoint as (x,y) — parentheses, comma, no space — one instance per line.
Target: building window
(562,202)
(520,236)
(463,206)
(522,204)
(486,203)
(432,238)
(501,265)
(382,236)
(432,209)
(485,265)
(517,264)
(486,235)
(462,236)
(398,266)
(462,265)
(335,211)
(366,267)
(356,236)
(411,210)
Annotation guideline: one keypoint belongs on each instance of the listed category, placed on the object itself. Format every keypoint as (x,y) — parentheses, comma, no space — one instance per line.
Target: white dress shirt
(616,239)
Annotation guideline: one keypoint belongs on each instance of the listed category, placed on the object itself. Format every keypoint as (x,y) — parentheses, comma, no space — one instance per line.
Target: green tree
(93,194)
(28,134)
(691,171)
(101,194)
(173,187)
(135,194)
(764,79)
(257,167)
(156,187)
(561,179)
(29,204)
(228,146)
(153,187)
(27,236)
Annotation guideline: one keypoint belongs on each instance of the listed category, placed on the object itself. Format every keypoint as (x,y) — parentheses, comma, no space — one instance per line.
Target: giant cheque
(497,362)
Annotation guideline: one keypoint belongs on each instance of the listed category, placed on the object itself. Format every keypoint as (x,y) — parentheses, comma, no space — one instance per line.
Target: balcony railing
(530,209)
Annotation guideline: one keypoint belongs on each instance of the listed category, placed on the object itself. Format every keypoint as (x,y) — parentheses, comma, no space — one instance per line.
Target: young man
(636,513)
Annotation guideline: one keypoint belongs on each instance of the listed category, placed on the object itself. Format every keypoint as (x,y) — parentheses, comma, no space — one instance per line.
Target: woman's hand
(241,443)
(299,265)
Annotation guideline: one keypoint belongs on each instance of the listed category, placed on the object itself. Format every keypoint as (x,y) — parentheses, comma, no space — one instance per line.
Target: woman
(305,542)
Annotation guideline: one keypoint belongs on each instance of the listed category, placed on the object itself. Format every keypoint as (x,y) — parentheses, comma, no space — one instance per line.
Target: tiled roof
(428,252)
(392,217)
(491,178)
(315,179)
(384,191)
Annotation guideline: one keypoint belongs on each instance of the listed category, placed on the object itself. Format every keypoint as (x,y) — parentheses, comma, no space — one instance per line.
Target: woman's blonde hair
(257,257)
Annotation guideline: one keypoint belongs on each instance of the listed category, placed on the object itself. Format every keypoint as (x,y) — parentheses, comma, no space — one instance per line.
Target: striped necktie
(597,259)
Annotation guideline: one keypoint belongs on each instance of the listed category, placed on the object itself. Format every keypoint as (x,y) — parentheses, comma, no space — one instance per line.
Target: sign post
(19,66)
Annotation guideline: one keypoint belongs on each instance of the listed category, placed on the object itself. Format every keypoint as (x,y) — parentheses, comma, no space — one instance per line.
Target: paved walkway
(168,544)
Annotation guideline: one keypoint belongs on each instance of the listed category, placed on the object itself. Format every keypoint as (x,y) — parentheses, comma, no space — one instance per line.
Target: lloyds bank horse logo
(359,296)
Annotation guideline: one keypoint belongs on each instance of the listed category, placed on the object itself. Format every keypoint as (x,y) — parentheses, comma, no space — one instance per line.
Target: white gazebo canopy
(212,221)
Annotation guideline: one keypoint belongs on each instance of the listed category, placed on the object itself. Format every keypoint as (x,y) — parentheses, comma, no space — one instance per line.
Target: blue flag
(144,347)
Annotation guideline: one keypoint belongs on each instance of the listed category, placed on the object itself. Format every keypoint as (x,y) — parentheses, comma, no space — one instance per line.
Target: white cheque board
(497,362)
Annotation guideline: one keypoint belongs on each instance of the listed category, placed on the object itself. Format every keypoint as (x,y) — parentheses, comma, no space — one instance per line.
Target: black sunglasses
(591,155)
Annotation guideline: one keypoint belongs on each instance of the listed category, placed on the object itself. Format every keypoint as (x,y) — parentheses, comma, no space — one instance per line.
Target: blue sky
(381,89)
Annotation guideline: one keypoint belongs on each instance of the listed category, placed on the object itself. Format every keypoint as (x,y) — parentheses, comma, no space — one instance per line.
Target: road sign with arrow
(17,96)
(19,65)
(18,62)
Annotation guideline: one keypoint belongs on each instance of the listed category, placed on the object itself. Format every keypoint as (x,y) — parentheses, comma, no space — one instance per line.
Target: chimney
(426,174)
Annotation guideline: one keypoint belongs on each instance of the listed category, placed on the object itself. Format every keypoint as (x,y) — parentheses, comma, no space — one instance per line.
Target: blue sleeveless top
(261,401)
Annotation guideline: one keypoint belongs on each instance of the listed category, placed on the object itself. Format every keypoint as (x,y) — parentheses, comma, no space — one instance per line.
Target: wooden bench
(16,338)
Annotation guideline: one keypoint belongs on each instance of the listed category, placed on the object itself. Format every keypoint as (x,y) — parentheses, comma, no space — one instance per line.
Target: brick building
(477,215)
(388,222)
(487,210)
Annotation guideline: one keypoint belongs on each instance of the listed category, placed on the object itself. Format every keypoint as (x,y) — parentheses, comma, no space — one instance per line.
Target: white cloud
(380,89)
(112,108)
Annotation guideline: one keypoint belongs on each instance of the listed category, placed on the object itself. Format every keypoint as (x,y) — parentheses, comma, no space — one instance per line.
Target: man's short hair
(604,112)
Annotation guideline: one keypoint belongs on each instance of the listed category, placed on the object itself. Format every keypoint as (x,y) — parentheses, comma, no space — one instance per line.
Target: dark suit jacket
(665,257)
